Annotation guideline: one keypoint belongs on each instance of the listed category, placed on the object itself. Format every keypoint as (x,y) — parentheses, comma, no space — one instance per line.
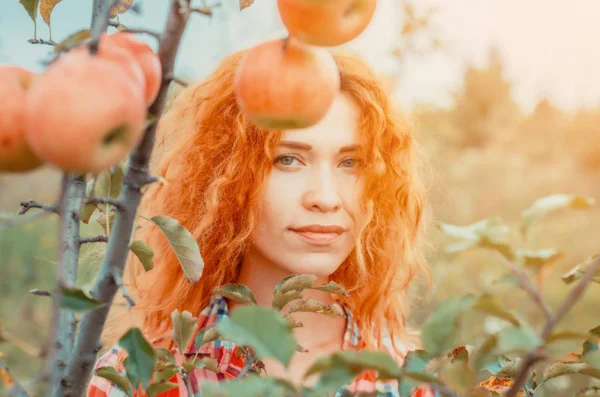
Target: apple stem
(285,43)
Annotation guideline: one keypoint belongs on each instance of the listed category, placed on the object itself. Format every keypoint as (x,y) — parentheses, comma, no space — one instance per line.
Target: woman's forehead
(337,130)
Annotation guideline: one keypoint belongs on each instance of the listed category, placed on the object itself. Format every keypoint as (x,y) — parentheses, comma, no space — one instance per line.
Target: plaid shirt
(230,364)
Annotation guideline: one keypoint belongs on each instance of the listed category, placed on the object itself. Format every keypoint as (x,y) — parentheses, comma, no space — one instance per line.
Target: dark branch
(123,28)
(119,281)
(42,41)
(62,331)
(176,79)
(27,205)
(529,288)
(152,33)
(105,200)
(97,239)
(40,292)
(82,360)
(535,355)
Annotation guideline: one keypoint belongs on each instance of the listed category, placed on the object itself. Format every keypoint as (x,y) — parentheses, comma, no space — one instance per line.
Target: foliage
(494,360)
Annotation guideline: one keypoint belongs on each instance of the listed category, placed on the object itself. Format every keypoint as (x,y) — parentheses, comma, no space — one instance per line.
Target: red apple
(285,84)
(146,58)
(15,154)
(85,114)
(326,22)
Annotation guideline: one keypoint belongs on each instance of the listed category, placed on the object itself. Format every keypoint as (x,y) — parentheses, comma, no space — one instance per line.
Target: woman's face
(314,182)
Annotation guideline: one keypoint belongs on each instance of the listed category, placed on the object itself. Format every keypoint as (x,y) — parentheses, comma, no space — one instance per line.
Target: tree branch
(123,28)
(42,41)
(62,331)
(105,200)
(177,80)
(119,281)
(529,288)
(27,205)
(96,239)
(82,360)
(152,33)
(534,356)
(39,292)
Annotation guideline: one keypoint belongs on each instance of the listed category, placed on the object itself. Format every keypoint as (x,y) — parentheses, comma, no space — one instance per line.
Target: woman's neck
(261,277)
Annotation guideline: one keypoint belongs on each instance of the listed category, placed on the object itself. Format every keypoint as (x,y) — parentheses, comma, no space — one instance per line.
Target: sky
(550,48)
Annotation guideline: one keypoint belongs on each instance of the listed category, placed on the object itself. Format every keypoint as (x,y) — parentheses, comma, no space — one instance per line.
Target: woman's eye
(351,162)
(286,160)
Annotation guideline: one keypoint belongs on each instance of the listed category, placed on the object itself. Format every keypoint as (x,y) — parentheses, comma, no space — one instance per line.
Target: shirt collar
(224,351)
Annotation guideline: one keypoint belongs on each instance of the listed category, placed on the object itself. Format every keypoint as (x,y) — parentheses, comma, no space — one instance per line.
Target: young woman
(342,200)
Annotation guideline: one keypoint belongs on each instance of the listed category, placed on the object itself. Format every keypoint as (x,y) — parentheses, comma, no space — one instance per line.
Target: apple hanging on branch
(285,84)
(15,153)
(326,23)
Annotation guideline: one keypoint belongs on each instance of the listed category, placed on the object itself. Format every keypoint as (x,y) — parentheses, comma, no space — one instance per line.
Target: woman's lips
(318,238)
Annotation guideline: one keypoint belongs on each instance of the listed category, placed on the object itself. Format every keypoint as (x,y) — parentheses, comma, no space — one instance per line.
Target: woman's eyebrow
(307,147)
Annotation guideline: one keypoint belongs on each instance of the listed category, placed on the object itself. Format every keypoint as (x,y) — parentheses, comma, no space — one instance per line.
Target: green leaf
(518,339)
(592,357)
(566,335)
(185,246)
(250,386)
(31,6)
(295,282)
(46,8)
(485,234)
(164,355)
(333,288)
(483,354)
(165,374)
(77,300)
(421,377)
(510,367)
(589,391)
(144,253)
(340,368)
(69,42)
(315,306)
(536,259)
(492,228)
(331,380)
(115,378)
(245,4)
(207,335)
(237,292)
(416,360)
(208,363)
(492,305)
(87,210)
(440,330)
(356,362)
(578,271)
(590,346)
(458,376)
(157,388)
(280,300)
(544,205)
(261,328)
(184,325)
(560,369)
(141,357)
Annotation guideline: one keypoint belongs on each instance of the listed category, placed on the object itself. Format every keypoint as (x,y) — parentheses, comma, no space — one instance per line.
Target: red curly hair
(215,163)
